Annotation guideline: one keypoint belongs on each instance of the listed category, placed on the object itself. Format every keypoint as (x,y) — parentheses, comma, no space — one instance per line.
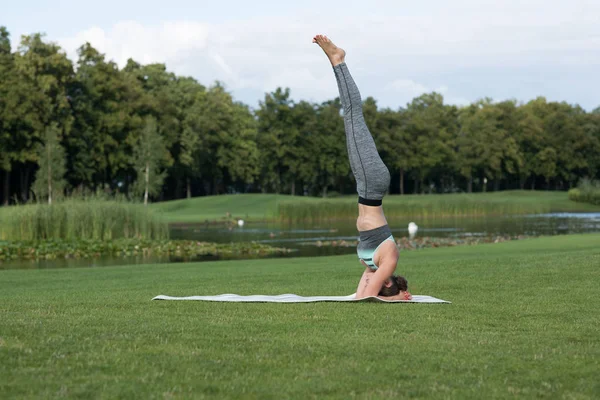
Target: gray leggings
(371,174)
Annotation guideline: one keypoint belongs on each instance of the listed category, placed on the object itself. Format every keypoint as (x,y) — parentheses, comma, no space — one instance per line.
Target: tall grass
(81,218)
(588,191)
(458,205)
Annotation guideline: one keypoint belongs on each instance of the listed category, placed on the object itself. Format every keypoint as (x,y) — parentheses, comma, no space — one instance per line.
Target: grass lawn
(524,323)
(265,206)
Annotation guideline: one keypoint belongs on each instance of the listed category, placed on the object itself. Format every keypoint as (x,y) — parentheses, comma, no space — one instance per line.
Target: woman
(377,249)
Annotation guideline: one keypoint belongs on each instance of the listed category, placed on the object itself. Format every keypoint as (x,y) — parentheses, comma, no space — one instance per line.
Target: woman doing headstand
(377,249)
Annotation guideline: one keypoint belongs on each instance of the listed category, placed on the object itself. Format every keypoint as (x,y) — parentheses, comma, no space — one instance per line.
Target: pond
(309,241)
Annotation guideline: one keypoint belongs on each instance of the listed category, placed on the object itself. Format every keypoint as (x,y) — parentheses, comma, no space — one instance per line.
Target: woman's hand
(399,296)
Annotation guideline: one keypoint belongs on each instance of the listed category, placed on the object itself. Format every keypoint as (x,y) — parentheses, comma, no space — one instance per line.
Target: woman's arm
(364,281)
(372,281)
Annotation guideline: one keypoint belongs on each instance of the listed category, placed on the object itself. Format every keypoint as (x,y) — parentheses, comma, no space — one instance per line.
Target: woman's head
(394,285)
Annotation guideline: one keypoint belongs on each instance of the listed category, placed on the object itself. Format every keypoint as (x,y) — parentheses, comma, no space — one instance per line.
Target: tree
(50,180)
(188,90)
(7,96)
(276,139)
(431,129)
(394,143)
(219,140)
(469,145)
(212,144)
(576,147)
(149,161)
(484,143)
(238,154)
(44,76)
(507,123)
(544,164)
(329,155)
(304,117)
(530,137)
(109,107)
(591,126)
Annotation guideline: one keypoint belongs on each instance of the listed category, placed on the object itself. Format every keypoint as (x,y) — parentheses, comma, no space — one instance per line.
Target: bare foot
(335,54)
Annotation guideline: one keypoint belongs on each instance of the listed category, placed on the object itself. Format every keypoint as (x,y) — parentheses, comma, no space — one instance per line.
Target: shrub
(588,191)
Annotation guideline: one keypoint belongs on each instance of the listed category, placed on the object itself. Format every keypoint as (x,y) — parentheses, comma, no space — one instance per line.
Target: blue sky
(465,49)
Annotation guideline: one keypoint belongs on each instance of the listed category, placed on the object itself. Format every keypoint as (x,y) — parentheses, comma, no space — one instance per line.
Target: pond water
(306,240)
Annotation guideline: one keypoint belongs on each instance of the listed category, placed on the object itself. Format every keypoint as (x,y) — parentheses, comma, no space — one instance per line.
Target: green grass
(282,207)
(211,208)
(81,218)
(523,323)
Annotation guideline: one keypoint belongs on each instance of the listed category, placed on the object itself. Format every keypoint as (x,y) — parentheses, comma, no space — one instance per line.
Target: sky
(396,49)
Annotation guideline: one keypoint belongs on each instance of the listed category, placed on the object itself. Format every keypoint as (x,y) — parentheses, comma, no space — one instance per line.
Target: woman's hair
(399,284)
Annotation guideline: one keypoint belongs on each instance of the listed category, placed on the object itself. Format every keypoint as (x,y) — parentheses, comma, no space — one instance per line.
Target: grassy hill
(272,207)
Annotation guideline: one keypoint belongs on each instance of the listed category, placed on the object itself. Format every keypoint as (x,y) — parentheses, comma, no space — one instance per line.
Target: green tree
(430,128)
(395,144)
(328,148)
(149,161)
(188,90)
(530,137)
(544,164)
(304,117)
(591,126)
(7,103)
(469,145)
(566,137)
(109,106)
(507,122)
(485,144)
(45,75)
(238,154)
(50,180)
(276,139)
(167,99)
(219,140)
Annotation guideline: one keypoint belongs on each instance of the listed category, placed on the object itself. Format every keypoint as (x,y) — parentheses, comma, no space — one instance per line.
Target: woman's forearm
(399,296)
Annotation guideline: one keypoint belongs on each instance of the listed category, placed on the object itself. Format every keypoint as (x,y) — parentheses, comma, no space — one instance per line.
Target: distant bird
(240,222)
(412,229)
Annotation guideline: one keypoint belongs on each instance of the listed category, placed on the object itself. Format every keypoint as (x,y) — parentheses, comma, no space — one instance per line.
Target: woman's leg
(371,174)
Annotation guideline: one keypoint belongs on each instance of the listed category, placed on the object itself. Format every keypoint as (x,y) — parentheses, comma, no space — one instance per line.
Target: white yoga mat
(292,298)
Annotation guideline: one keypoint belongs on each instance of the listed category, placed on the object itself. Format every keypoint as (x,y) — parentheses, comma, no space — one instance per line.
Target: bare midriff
(370,217)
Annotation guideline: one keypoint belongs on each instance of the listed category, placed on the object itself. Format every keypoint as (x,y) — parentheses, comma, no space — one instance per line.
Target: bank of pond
(97,227)
(82,249)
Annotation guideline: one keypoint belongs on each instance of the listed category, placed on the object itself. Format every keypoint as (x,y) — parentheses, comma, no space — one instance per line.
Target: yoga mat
(292,298)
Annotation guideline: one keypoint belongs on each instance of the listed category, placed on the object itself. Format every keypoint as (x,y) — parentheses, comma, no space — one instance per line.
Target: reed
(78,218)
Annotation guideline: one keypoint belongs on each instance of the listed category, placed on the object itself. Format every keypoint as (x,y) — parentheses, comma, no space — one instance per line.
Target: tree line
(146,132)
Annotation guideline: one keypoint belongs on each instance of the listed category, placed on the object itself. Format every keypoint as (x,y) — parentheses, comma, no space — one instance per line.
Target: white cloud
(404,90)
(409,87)
(146,44)
(388,40)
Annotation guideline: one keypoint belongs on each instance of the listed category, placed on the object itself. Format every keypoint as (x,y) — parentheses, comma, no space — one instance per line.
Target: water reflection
(303,238)
(531,225)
